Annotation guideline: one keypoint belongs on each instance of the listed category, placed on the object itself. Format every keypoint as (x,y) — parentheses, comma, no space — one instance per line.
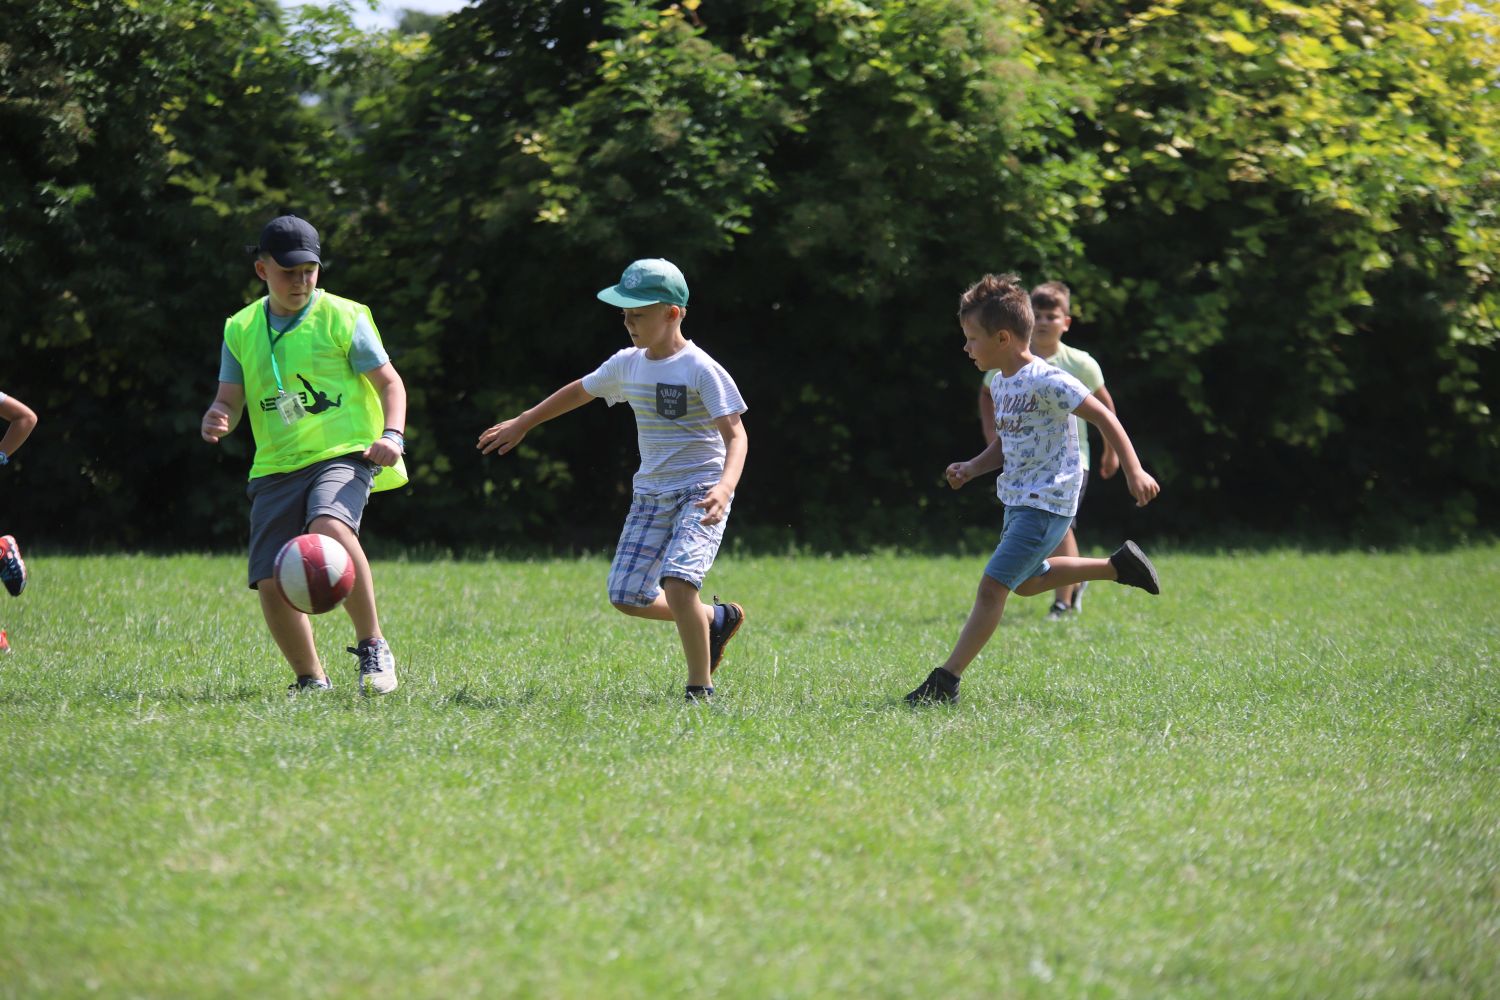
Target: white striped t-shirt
(676,401)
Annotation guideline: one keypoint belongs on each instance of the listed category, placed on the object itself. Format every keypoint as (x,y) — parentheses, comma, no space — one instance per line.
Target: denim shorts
(664,536)
(1027,538)
(283,504)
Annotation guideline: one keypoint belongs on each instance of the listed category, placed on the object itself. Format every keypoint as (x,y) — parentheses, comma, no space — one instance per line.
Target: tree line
(1278,221)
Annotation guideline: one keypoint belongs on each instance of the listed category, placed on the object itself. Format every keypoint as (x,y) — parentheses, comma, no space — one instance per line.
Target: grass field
(1280,778)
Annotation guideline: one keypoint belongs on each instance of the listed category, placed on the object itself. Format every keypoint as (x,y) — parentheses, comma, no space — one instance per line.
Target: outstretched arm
(505,435)
(736,444)
(22,422)
(992,458)
(1109,462)
(223,414)
(1141,485)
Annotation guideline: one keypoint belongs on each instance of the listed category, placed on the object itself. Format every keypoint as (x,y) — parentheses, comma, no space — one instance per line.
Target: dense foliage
(1278,221)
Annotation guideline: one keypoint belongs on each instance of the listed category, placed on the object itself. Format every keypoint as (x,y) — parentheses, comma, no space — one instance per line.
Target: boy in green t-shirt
(1051,305)
(319,449)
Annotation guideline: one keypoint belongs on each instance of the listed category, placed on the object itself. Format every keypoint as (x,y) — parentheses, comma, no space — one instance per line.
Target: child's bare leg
(659,610)
(692,627)
(361,600)
(1067,548)
(291,630)
(989,605)
(1063,572)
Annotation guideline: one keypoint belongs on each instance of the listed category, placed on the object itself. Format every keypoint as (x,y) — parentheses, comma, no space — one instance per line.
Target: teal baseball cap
(646,282)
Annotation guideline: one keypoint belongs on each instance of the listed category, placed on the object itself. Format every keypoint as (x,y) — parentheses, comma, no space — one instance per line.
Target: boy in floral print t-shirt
(1037,446)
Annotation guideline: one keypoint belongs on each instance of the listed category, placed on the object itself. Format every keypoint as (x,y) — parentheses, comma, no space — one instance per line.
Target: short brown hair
(998,302)
(1052,295)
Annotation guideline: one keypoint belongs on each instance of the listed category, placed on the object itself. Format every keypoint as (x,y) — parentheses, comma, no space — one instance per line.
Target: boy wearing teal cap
(328,412)
(692,445)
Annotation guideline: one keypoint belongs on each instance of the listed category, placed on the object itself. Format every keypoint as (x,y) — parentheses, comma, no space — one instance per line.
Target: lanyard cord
(272,337)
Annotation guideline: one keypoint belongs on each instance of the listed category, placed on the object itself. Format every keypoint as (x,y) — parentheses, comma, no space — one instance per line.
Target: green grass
(1281,778)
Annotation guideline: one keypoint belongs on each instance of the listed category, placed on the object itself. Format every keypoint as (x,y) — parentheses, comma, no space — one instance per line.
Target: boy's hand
(502,437)
(714,504)
(215,425)
(382,452)
(1143,488)
(958,473)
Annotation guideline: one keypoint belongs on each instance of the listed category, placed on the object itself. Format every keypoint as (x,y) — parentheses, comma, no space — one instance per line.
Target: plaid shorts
(663,536)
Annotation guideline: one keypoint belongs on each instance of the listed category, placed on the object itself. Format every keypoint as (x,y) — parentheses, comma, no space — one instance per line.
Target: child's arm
(392,391)
(986,413)
(1141,485)
(22,422)
(1109,461)
(508,433)
(736,444)
(224,413)
(992,458)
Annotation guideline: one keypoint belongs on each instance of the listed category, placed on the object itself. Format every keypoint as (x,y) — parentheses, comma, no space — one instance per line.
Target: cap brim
(294,257)
(615,297)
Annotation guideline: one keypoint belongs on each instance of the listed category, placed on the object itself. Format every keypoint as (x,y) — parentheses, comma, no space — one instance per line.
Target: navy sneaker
(12,567)
(1133,569)
(306,683)
(940,686)
(697,693)
(377,666)
(719,635)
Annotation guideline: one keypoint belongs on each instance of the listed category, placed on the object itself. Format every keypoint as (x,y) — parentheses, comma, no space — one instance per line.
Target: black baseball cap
(290,240)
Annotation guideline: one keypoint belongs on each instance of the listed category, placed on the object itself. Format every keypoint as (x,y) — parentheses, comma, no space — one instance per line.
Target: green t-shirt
(1082,366)
(311,361)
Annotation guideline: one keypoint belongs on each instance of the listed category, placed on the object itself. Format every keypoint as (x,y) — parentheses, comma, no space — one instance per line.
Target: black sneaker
(940,685)
(1058,611)
(12,567)
(306,683)
(1133,569)
(719,636)
(699,693)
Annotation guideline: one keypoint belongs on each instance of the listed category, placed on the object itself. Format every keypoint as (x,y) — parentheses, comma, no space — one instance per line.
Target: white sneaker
(377,666)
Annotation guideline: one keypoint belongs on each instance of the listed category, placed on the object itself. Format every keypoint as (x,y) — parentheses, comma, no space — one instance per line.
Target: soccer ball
(314,573)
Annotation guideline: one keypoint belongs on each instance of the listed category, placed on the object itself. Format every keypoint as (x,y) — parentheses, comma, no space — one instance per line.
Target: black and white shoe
(719,635)
(12,566)
(377,666)
(1058,611)
(306,683)
(699,694)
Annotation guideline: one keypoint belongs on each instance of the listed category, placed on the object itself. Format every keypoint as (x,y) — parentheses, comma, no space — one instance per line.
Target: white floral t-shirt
(676,401)
(1032,418)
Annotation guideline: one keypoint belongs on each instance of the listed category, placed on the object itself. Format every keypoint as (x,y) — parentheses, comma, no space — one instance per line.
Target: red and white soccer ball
(314,573)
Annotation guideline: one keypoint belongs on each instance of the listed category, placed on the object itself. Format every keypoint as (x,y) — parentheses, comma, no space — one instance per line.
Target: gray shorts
(283,504)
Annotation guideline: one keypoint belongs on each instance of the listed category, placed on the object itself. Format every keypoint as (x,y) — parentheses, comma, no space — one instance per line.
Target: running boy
(318,452)
(1042,477)
(21,421)
(692,444)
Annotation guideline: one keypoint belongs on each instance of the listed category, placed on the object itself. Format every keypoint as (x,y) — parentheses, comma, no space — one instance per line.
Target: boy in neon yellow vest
(328,413)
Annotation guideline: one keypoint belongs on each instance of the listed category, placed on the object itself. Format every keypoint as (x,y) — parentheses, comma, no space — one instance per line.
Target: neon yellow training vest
(343,409)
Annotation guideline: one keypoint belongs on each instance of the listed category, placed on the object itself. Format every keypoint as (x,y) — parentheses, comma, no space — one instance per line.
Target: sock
(946,678)
(718,616)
